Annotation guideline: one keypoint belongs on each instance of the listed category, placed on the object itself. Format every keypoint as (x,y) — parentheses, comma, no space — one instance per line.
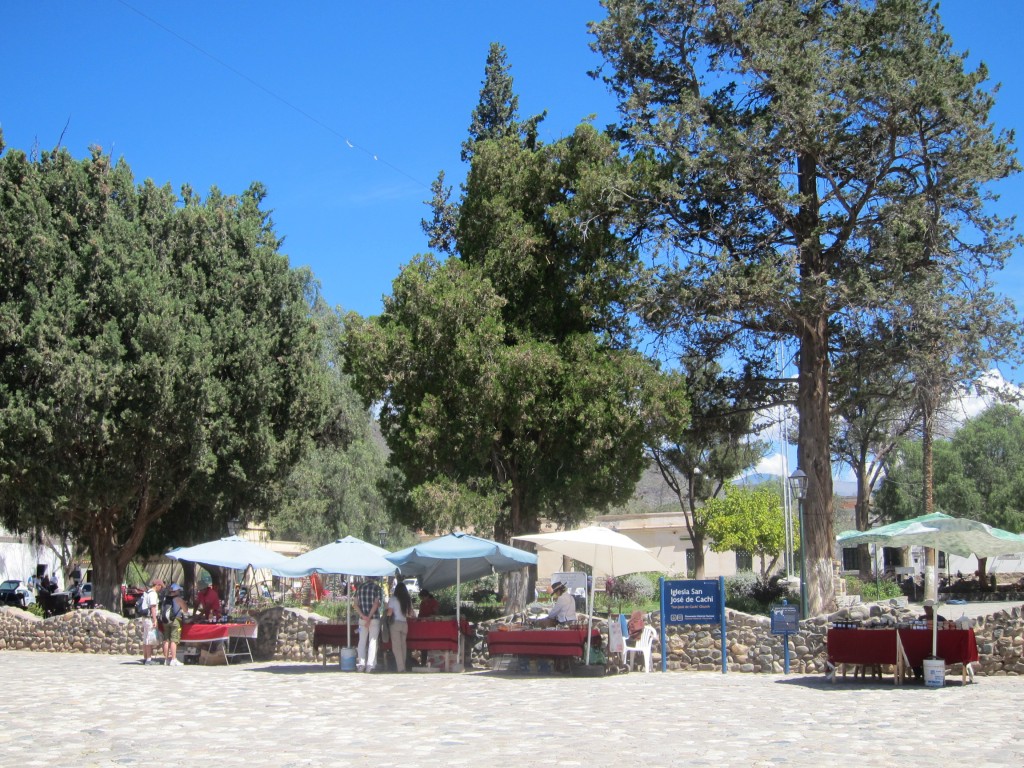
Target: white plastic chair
(643,645)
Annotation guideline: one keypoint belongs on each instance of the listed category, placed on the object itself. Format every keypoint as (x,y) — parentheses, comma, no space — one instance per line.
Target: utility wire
(273,94)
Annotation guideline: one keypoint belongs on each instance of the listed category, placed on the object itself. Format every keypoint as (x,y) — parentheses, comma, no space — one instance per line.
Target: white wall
(19,557)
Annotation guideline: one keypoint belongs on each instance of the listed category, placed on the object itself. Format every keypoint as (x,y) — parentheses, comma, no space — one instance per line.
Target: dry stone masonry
(286,634)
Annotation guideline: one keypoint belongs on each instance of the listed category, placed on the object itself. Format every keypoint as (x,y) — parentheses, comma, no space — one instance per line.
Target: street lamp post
(383,534)
(798,485)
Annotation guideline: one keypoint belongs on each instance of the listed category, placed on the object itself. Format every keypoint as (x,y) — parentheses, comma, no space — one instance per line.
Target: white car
(14,592)
(412,585)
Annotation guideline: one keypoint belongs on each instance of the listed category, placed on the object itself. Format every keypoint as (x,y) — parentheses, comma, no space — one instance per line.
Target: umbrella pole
(348,613)
(458,605)
(590,617)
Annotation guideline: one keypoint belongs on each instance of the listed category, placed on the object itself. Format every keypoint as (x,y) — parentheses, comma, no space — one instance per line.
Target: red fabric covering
(878,646)
(538,642)
(333,634)
(207,632)
(435,635)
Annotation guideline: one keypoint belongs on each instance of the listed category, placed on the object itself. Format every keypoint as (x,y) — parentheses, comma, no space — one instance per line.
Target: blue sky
(345,111)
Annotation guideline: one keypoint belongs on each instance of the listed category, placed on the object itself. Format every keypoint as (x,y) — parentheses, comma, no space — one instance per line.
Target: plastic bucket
(348,659)
(934,672)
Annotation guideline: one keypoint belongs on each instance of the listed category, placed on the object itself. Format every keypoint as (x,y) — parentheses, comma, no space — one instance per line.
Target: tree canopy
(156,353)
(505,382)
(813,165)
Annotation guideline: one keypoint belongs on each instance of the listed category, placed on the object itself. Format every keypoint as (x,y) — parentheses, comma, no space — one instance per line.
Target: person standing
(368,600)
(208,601)
(149,609)
(172,613)
(400,611)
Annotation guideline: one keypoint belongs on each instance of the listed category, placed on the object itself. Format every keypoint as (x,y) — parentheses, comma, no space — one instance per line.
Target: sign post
(693,601)
(785,621)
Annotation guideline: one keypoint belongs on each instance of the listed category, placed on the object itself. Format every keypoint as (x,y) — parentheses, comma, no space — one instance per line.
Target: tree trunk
(862,521)
(931,582)
(813,457)
(106,573)
(698,555)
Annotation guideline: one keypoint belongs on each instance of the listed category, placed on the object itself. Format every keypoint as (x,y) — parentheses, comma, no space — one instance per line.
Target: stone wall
(286,634)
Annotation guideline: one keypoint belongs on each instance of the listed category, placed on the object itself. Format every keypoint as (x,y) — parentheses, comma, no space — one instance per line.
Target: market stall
(904,648)
(230,639)
(555,642)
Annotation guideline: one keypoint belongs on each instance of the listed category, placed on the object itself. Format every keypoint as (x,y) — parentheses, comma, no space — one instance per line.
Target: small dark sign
(785,618)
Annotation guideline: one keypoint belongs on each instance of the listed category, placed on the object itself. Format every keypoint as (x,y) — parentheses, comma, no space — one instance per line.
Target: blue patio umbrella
(451,559)
(348,556)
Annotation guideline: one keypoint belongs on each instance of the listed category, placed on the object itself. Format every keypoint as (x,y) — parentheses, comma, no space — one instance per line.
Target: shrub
(869,591)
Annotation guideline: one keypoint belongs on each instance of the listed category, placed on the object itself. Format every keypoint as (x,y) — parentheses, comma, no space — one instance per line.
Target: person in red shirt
(428,605)
(208,603)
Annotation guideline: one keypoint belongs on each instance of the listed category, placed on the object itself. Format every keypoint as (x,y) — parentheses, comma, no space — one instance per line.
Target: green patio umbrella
(955,535)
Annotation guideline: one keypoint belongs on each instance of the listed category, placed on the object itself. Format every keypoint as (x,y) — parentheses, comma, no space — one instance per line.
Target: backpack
(169,611)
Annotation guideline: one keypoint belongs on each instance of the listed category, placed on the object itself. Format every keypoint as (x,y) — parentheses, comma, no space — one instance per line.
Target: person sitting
(635,627)
(428,605)
(563,610)
(208,602)
(929,614)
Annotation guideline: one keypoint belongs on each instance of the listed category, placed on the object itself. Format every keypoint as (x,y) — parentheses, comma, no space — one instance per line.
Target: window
(850,559)
(744,560)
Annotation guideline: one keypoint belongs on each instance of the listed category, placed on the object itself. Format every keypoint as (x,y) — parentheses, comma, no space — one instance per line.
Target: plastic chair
(643,645)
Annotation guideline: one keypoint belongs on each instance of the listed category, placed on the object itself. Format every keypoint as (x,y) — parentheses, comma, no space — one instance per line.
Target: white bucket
(934,672)
(347,659)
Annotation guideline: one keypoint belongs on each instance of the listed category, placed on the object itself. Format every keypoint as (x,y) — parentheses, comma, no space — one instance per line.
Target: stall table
(539,642)
(334,637)
(905,649)
(443,635)
(195,633)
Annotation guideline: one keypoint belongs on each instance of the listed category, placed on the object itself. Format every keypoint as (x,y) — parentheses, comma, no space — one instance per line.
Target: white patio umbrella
(608,552)
(349,557)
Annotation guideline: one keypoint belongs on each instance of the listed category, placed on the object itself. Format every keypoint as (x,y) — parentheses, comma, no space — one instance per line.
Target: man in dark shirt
(368,600)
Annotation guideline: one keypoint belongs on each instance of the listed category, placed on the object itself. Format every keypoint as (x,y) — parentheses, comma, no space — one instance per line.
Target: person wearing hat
(563,610)
(172,613)
(150,611)
(208,601)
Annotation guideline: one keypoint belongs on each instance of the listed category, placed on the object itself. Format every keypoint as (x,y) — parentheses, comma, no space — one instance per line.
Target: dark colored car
(14,592)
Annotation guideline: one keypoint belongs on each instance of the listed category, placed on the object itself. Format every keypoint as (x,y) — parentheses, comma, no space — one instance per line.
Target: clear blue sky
(225,93)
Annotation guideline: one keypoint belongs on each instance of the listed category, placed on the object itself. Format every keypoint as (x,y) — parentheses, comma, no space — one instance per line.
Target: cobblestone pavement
(82,710)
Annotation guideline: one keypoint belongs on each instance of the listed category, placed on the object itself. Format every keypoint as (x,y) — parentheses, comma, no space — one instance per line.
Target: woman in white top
(400,610)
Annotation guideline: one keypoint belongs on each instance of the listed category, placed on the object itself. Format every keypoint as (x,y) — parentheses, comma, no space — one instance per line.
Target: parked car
(413,586)
(16,593)
(82,595)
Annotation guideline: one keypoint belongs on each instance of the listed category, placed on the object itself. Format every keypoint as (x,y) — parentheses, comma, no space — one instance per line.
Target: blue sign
(785,618)
(692,601)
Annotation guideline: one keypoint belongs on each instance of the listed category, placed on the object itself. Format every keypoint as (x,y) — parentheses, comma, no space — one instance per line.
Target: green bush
(748,593)
(870,591)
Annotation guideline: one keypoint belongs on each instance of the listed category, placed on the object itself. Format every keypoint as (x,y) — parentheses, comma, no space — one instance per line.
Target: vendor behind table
(563,610)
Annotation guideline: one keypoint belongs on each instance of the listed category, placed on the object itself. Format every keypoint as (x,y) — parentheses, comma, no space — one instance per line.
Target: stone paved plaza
(88,710)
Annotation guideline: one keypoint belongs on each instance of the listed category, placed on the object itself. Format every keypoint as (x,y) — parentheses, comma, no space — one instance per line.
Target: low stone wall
(286,634)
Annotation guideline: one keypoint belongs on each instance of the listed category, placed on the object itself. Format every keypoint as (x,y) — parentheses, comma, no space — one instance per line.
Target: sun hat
(557,586)
(174,588)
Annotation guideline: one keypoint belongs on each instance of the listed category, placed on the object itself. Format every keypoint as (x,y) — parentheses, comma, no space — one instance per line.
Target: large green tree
(506,385)
(979,473)
(787,139)
(156,353)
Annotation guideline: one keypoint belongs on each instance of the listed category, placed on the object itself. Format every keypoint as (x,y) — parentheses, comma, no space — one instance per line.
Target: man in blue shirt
(368,600)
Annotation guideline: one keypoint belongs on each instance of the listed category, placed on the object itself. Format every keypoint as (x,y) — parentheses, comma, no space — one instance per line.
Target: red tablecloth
(435,635)
(878,646)
(334,634)
(207,633)
(539,642)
